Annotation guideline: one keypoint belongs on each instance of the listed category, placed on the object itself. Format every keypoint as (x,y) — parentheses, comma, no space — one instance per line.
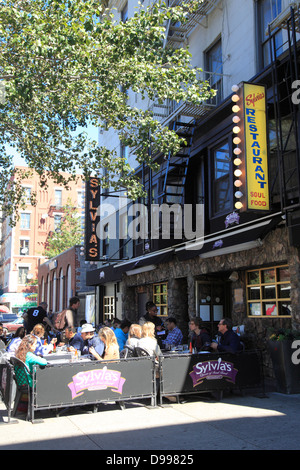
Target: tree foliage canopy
(66,64)
(68,232)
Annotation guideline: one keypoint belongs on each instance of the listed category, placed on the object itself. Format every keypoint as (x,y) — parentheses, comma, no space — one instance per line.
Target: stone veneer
(181,277)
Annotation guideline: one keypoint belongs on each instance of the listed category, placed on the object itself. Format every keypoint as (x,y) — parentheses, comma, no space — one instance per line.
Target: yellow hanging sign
(256,148)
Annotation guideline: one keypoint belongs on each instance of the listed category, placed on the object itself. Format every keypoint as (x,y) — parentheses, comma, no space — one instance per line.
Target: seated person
(200,337)
(42,347)
(229,340)
(122,333)
(148,340)
(108,337)
(134,334)
(16,340)
(152,316)
(174,335)
(86,340)
(82,322)
(72,336)
(26,354)
(115,324)
(3,333)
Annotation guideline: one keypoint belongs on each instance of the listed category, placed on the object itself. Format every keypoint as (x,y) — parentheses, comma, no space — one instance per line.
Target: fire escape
(285,73)
(167,185)
(183,116)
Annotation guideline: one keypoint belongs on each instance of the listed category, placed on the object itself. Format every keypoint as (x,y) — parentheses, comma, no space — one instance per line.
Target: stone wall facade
(182,277)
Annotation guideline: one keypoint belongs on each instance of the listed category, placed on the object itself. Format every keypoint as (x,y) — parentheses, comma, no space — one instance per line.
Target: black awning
(113,272)
(153,258)
(103,275)
(234,239)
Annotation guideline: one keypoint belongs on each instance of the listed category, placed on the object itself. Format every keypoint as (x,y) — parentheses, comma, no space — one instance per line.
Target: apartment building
(23,245)
(245,264)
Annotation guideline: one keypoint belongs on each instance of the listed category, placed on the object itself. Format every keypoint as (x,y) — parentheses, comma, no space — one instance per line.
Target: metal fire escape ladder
(173,191)
(178,34)
(291,24)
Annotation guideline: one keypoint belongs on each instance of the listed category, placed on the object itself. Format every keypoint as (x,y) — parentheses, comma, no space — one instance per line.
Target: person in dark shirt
(229,340)
(84,340)
(36,315)
(151,315)
(71,336)
(200,337)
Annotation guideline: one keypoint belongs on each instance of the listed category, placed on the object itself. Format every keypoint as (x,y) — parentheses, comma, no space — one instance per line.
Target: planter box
(287,373)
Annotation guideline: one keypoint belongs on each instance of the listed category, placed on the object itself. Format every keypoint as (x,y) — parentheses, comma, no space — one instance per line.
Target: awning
(103,275)
(242,237)
(113,272)
(156,257)
(238,238)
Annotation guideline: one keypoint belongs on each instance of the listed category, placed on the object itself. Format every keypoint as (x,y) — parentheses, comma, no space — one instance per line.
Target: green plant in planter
(282,334)
(281,348)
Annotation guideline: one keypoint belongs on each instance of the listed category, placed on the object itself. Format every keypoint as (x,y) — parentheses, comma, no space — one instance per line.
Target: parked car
(14,325)
(8,317)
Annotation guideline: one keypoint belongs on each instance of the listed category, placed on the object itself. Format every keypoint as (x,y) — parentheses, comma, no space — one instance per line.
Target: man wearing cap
(85,340)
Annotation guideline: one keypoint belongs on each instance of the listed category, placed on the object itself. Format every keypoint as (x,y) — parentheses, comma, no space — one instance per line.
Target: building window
(124,14)
(80,199)
(268,10)
(124,153)
(25,221)
(214,69)
(123,236)
(61,290)
(27,195)
(160,297)
(287,143)
(268,292)
(58,197)
(105,241)
(221,181)
(108,307)
(22,274)
(57,221)
(24,247)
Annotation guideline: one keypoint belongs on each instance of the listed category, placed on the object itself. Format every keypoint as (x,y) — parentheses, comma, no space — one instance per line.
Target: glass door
(211,303)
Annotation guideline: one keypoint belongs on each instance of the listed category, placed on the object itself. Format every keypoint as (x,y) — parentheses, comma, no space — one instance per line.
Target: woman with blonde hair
(134,335)
(111,345)
(41,348)
(25,353)
(148,340)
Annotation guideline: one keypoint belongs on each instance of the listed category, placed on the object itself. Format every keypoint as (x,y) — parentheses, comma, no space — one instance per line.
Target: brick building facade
(23,245)
(63,277)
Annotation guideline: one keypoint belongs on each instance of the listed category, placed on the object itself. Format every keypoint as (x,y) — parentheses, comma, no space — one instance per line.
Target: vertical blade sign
(92,218)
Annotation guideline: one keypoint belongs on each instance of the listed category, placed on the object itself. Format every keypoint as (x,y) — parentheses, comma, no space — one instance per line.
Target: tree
(67,234)
(65,64)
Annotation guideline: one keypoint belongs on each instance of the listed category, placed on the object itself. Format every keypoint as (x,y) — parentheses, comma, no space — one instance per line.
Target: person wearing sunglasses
(229,340)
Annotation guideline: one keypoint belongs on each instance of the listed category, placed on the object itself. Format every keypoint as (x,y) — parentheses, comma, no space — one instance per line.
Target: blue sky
(18,161)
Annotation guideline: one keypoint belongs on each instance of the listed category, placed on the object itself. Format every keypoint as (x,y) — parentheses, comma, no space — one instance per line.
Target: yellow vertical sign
(256,149)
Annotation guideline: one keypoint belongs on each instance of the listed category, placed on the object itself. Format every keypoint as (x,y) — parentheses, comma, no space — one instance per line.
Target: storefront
(246,265)
(19,301)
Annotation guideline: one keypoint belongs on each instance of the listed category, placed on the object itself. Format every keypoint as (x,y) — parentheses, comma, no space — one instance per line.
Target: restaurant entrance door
(212,302)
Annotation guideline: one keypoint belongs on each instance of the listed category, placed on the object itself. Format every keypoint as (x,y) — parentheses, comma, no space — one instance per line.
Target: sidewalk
(236,423)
